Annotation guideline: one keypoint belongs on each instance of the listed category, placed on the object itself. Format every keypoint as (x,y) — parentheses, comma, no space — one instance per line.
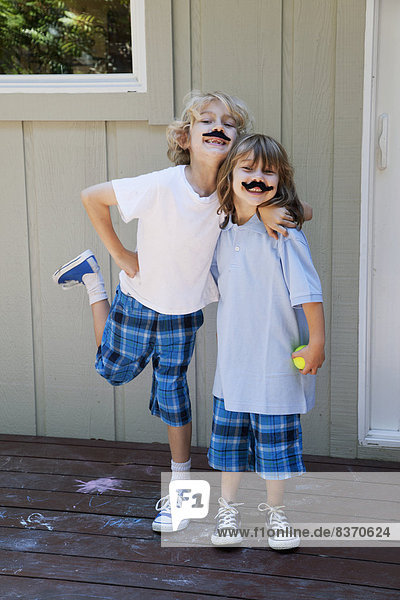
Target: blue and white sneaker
(71,273)
(163,521)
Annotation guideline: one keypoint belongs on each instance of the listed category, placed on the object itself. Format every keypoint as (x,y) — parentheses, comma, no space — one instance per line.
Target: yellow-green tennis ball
(299,361)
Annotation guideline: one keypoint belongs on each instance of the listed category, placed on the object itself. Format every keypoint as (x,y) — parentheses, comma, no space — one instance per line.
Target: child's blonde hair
(273,156)
(194,102)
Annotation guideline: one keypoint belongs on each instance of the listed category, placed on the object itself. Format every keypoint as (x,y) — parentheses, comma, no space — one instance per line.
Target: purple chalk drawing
(104,484)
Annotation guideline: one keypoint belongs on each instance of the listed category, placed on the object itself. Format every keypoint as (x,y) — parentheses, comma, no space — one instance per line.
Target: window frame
(367,436)
(145,95)
(106,82)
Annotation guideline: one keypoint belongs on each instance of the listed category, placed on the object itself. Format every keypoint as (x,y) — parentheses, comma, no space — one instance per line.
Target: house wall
(299,66)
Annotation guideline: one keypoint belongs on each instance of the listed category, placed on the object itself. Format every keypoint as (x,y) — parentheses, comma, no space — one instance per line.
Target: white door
(381,369)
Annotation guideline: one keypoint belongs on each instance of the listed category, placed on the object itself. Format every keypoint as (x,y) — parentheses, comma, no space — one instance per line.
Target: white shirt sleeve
(135,195)
(298,270)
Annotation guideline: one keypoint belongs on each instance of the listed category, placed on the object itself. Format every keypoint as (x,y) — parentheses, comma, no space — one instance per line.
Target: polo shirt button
(237,248)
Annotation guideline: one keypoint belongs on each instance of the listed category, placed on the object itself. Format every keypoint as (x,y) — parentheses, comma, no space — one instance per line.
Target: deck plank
(77,523)
(94,454)
(77,502)
(67,483)
(20,588)
(86,468)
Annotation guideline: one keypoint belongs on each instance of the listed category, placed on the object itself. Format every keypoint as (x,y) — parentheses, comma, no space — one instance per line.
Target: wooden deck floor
(59,543)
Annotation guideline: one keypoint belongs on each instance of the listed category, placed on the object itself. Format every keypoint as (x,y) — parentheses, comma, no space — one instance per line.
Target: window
(72,46)
(109,96)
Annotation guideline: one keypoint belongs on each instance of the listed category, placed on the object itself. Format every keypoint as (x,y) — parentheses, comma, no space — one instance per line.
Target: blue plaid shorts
(271,445)
(132,335)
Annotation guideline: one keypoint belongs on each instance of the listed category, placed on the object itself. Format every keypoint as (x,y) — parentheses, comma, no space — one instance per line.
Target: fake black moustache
(217,134)
(257,184)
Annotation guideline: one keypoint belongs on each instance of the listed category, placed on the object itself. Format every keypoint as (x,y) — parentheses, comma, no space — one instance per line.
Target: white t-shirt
(177,234)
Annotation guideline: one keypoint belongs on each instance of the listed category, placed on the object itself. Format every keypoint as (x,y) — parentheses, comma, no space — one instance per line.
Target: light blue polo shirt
(263,283)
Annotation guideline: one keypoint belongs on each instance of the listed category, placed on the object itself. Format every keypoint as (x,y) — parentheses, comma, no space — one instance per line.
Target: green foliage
(50,37)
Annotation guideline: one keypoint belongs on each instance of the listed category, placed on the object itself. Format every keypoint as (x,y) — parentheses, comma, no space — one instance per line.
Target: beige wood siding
(299,66)
(307,133)
(17,384)
(61,159)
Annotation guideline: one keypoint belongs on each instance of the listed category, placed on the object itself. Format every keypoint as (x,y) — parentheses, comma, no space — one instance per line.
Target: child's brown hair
(273,155)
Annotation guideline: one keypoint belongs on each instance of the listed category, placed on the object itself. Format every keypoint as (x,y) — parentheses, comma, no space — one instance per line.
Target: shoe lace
(227,513)
(164,503)
(276,515)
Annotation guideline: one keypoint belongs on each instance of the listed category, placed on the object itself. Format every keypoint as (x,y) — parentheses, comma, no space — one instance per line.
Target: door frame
(366,435)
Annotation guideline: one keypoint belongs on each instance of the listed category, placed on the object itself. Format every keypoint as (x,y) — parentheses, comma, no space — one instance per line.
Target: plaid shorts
(271,445)
(132,335)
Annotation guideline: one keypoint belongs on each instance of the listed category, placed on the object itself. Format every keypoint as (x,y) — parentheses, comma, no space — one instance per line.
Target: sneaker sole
(226,541)
(283,544)
(163,528)
(72,263)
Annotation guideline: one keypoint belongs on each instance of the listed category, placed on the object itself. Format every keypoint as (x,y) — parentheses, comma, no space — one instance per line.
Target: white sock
(94,284)
(180,470)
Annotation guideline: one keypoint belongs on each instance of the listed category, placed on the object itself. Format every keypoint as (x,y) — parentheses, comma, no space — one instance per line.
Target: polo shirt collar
(253,224)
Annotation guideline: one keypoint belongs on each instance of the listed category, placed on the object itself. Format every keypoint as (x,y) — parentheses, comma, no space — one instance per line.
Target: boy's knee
(115,370)
(114,376)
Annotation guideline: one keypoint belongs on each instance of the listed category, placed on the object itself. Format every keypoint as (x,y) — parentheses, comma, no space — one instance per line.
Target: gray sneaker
(227,530)
(283,536)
